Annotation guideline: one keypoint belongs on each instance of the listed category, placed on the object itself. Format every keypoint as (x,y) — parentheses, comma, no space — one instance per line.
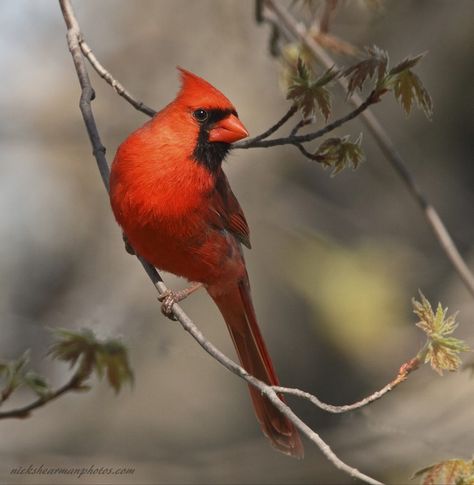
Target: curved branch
(299,33)
(104,74)
(185,321)
(402,375)
(72,385)
(291,112)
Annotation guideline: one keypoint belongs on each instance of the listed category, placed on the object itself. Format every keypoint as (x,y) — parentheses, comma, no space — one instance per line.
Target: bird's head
(213,117)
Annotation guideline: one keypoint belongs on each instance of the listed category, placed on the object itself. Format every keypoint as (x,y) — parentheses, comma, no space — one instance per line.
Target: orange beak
(228,130)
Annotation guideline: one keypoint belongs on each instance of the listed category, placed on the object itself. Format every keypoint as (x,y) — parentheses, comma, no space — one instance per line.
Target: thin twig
(302,123)
(104,74)
(290,113)
(299,33)
(23,412)
(312,156)
(402,375)
(86,98)
(298,139)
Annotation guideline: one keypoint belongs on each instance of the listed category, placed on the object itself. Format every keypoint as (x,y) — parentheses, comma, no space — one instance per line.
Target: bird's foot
(169,298)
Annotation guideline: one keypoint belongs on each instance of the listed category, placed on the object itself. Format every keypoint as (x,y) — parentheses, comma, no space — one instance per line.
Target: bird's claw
(168,299)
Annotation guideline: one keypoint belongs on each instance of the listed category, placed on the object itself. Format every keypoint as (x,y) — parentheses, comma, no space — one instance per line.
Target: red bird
(173,201)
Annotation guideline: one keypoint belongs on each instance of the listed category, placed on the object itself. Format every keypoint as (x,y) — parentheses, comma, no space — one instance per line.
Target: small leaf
(375,64)
(310,93)
(441,350)
(113,358)
(15,371)
(108,358)
(70,346)
(37,384)
(339,153)
(408,88)
(406,64)
(449,472)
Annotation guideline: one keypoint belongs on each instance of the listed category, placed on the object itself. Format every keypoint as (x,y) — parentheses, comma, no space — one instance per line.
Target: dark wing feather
(226,212)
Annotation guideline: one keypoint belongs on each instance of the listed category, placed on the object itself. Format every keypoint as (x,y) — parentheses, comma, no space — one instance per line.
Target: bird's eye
(200,115)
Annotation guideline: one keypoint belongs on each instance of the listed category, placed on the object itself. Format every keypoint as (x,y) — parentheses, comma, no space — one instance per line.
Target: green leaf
(70,346)
(374,65)
(449,472)
(407,63)
(107,358)
(37,384)
(441,350)
(310,93)
(340,153)
(15,370)
(408,88)
(113,358)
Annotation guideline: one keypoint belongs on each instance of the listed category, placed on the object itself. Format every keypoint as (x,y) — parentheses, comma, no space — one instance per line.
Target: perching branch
(299,33)
(73,36)
(104,74)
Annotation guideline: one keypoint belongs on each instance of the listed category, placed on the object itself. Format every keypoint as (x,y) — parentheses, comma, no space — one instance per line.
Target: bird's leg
(128,247)
(169,298)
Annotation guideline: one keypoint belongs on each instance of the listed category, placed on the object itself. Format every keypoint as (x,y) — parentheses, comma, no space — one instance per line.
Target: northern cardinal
(173,201)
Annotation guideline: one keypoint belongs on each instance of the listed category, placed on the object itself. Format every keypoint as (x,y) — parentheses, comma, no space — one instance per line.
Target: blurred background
(334,265)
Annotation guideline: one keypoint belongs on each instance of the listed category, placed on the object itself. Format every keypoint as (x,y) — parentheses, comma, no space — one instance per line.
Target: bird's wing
(226,212)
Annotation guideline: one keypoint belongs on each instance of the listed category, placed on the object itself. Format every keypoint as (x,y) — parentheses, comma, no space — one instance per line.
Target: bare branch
(402,375)
(307,154)
(72,385)
(298,31)
(85,105)
(289,114)
(104,74)
(301,124)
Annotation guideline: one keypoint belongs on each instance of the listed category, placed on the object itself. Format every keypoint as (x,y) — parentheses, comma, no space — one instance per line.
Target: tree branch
(402,375)
(73,37)
(23,412)
(298,139)
(104,74)
(290,113)
(299,33)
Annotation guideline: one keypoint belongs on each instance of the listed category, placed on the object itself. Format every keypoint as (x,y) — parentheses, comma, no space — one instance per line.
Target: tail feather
(238,312)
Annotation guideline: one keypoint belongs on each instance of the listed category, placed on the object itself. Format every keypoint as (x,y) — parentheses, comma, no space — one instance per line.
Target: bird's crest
(198,93)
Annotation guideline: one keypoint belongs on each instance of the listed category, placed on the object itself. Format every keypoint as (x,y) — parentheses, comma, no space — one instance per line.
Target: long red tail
(238,312)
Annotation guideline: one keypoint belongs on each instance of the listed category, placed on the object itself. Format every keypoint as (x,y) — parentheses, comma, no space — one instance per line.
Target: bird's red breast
(168,190)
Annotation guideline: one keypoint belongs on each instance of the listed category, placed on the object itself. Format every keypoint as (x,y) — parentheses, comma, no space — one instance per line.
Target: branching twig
(298,139)
(299,33)
(104,74)
(303,122)
(85,105)
(23,412)
(289,114)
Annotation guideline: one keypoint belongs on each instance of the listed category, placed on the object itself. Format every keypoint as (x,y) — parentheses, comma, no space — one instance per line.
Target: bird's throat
(210,154)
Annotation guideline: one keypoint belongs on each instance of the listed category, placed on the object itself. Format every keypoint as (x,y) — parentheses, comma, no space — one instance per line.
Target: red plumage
(173,201)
